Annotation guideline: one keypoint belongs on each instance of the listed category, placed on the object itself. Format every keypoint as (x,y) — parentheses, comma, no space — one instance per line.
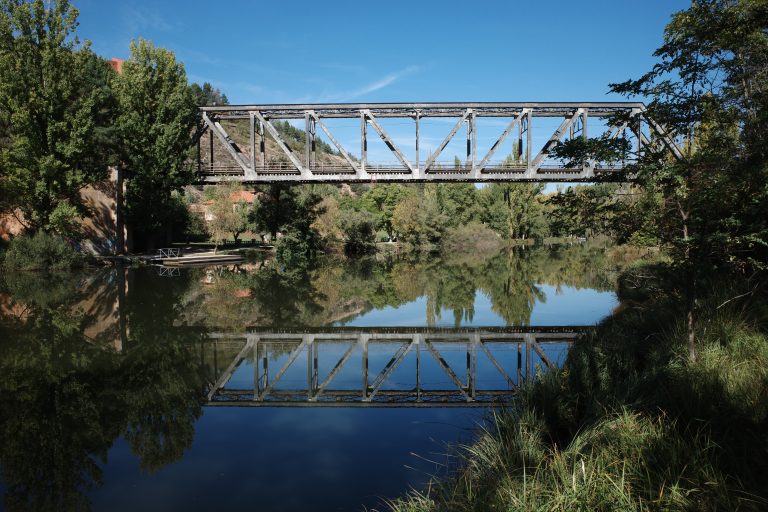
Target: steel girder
(530,165)
(512,354)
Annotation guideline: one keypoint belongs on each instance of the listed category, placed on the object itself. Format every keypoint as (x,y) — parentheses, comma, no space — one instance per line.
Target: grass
(629,423)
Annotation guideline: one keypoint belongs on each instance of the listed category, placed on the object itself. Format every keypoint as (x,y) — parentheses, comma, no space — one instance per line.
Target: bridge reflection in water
(402,367)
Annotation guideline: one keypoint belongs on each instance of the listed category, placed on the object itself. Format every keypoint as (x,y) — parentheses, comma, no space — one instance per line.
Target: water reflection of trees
(65,398)
(340,290)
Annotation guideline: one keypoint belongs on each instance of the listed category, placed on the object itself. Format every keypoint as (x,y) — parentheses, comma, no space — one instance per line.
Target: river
(258,387)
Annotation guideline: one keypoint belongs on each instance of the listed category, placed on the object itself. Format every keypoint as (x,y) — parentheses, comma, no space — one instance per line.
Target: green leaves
(55,111)
(157,116)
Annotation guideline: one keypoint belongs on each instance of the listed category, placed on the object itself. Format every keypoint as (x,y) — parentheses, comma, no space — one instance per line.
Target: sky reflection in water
(111,369)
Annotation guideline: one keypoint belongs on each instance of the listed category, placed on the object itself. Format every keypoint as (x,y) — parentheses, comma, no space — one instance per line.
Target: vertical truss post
(255,363)
(252,125)
(210,149)
(265,367)
(473,383)
(418,367)
(310,379)
(199,157)
(529,141)
(417,168)
(519,364)
(518,151)
(262,146)
(528,355)
(472,156)
(216,360)
(364,341)
(468,160)
(307,139)
(363,143)
(637,127)
(313,133)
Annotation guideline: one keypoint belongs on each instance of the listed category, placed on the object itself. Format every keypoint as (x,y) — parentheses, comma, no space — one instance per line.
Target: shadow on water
(127,376)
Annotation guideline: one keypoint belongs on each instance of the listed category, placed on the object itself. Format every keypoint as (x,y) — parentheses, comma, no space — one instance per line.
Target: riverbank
(629,423)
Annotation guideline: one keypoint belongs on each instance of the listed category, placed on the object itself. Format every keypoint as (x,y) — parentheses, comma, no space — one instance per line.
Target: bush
(359,229)
(474,236)
(294,251)
(41,251)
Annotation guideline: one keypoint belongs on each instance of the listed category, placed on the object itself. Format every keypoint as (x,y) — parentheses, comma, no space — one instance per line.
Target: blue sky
(396,51)
(320,51)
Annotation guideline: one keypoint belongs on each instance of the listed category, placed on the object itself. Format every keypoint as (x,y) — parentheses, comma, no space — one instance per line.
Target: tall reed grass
(629,423)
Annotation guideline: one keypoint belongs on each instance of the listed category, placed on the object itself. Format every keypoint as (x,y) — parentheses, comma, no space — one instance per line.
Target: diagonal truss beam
(515,121)
(298,350)
(388,140)
(335,370)
(336,143)
(496,363)
(281,143)
(441,147)
(447,369)
(553,140)
(390,367)
(542,355)
(222,381)
(232,148)
(665,137)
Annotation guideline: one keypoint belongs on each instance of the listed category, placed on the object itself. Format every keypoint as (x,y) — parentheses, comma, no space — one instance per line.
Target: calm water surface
(260,388)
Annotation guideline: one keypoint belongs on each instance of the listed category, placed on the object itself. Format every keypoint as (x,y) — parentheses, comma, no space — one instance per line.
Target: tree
(207,95)
(157,116)
(359,228)
(515,210)
(56,114)
(710,88)
(418,219)
(231,215)
(458,202)
(382,200)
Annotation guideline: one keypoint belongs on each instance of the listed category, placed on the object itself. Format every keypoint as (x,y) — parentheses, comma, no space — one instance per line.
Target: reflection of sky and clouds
(563,306)
(291,459)
(148,377)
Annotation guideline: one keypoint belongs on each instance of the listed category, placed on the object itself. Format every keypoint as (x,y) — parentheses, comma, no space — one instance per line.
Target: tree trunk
(690,290)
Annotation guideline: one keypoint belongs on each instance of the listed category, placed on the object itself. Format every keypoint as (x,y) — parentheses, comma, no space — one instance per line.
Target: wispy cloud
(140,19)
(377,85)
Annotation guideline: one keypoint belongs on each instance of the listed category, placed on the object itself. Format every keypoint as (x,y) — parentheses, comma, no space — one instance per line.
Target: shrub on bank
(41,251)
(629,423)
(474,236)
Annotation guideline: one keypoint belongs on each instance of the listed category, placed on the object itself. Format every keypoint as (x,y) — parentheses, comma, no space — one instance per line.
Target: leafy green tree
(207,95)
(359,229)
(382,200)
(459,203)
(515,210)
(157,116)
(418,220)
(709,87)
(56,114)
(231,214)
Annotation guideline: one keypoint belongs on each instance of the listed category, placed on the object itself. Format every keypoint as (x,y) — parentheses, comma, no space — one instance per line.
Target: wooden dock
(199,259)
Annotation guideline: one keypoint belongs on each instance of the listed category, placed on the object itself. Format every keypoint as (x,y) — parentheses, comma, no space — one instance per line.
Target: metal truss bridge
(382,367)
(248,160)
